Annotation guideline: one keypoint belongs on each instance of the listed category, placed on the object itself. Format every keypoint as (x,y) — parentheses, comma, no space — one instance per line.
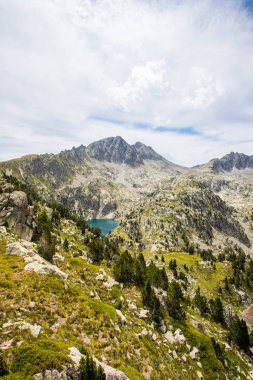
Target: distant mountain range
(112,179)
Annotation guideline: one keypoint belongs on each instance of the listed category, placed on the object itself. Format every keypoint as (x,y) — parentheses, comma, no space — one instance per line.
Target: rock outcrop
(232,161)
(115,149)
(34,261)
(15,212)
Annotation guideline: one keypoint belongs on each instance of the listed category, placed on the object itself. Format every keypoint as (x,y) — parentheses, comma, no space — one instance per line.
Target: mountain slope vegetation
(167,294)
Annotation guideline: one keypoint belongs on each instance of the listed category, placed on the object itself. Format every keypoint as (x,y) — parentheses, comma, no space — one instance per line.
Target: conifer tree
(216,310)
(174,300)
(239,333)
(200,302)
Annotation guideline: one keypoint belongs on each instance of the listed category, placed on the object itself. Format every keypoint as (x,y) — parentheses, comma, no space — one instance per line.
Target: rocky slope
(110,178)
(15,212)
(54,313)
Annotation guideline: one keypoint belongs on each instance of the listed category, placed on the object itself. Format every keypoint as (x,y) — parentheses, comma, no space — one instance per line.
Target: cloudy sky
(174,74)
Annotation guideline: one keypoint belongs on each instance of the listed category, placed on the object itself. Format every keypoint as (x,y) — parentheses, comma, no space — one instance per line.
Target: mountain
(228,163)
(117,150)
(94,180)
(168,293)
(71,295)
(232,161)
(159,205)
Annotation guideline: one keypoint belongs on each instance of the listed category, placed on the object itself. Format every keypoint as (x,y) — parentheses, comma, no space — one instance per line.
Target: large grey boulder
(34,262)
(16,214)
(52,375)
(16,249)
(39,265)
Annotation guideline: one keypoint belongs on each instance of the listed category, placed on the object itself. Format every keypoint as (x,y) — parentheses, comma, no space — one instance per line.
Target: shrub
(3,365)
(38,356)
(89,370)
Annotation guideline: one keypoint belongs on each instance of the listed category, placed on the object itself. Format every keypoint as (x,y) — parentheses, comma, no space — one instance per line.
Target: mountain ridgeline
(232,161)
(143,191)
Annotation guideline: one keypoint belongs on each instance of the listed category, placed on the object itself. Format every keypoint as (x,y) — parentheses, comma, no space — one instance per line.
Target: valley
(164,295)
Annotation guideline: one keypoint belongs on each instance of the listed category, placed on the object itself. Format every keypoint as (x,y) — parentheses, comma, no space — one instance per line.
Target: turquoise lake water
(105,225)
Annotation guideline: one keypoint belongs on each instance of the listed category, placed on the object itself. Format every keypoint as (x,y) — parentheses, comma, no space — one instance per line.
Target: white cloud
(174,64)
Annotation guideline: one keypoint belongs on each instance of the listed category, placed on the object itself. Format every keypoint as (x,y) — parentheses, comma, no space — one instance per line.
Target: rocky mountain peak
(146,152)
(117,150)
(232,161)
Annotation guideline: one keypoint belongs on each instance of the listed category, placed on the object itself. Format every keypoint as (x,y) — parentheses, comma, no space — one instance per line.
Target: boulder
(3,231)
(34,261)
(110,282)
(122,317)
(16,214)
(37,264)
(16,249)
(142,314)
(197,326)
(179,336)
(34,329)
(194,353)
(170,337)
(144,332)
(53,374)
(163,327)
(75,355)
(59,258)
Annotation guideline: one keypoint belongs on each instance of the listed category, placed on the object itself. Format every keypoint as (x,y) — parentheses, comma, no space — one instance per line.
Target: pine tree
(66,244)
(150,300)
(216,310)
(89,370)
(239,333)
(200,302)
(174,301)
(124,268)
(139,270)
(147,294)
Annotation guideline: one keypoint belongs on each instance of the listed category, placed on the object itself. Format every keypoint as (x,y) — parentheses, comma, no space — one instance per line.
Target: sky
(174,74)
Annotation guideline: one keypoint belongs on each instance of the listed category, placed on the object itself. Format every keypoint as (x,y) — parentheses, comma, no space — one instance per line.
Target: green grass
(97,320)
(38,356)
(209,280)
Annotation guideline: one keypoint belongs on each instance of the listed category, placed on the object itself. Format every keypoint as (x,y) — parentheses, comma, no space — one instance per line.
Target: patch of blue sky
(179,130)
(248,4)
(146,126)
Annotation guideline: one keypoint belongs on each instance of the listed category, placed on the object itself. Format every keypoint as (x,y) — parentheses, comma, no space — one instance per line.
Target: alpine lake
(105,225)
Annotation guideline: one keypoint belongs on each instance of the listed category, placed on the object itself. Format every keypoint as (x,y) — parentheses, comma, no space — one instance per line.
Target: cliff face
(15,213)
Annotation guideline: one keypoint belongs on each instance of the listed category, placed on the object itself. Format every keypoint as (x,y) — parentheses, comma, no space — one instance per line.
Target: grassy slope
(69,316)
